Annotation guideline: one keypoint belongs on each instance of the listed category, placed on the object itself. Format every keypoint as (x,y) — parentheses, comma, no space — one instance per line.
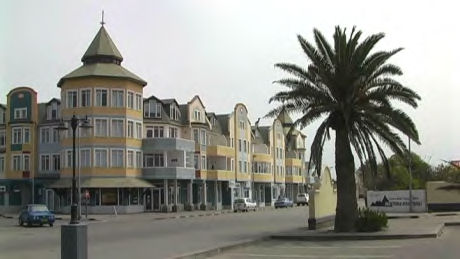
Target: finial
(102,21)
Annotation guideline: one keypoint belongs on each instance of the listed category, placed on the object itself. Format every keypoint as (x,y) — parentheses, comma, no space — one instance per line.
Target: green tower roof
(102,46)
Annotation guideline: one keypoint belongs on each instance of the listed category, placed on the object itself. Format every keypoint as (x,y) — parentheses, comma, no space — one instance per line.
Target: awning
(127,182)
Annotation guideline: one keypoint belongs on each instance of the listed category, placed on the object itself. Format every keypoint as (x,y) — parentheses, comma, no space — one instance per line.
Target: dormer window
(20,113)
(152,109)
(174,112)
(52,111)
(2,116)
(197,115)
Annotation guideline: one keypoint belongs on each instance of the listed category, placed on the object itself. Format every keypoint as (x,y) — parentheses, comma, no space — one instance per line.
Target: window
(17,136)
(72,99)
(152,109)
(196,135)
(149,133)
(244,141)
(55,134)
(197,115)
(2,138)
(52,111)
(138,130)
(45,135)
(154,160)
(240,166)
(117,158)
(45,162)
(26,135)
(173,132)
(85,98)
(239,145)
(26,162)
(117,128)
(2,116)
(117,98)
(16,163)
(138,102)
(203,162)
(101,97)
(100,159)
(203,137)
(130,129)
(69,156)
(138,159)
(85,132)
(242,125)
(174,112)
(245,166)
(85,158)
(2,163)
(20,113)
(130,100)
(158,132)
(101,128)
(130,159)
(57,162)
(196,162)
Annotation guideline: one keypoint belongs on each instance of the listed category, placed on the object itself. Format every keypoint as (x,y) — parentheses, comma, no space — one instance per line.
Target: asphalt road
(444,247)
(140,236)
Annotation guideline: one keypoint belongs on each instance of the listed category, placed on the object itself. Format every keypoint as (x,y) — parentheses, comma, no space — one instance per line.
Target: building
(142,153)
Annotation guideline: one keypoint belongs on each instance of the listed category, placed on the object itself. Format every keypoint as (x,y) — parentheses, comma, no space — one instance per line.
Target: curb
(219,250)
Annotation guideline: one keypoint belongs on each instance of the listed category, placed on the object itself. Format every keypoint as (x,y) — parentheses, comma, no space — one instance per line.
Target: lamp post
(74,236)
(410,178)
(74,123)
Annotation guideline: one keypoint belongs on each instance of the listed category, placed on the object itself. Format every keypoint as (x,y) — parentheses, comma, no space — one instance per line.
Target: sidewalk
(400,226)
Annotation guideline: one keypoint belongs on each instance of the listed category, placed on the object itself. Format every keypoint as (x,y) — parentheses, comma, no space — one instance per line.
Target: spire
(284,118)
(102,49)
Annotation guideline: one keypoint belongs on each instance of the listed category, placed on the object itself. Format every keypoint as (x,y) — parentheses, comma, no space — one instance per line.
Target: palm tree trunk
(347,207)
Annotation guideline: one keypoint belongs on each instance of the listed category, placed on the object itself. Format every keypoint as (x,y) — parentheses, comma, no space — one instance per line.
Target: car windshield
(239,201)
(38,208)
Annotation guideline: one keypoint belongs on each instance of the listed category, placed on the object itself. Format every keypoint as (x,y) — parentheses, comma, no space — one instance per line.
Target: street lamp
(74,123)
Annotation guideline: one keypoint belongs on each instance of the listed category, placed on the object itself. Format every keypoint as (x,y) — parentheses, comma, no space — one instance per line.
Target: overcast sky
(224,51)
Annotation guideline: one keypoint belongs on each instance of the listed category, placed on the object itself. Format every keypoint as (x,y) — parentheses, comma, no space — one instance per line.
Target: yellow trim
(220,175)
(293,162)
(293,179)
(129,142)
(96,171)
(259,157)
(97,82)
(220,151)
(203,174)
(262,177)
(243,177)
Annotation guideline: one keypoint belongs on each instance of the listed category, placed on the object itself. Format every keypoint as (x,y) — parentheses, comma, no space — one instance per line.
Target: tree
(352,89)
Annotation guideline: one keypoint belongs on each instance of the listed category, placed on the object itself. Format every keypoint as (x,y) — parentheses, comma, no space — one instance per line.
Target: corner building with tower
(141,153)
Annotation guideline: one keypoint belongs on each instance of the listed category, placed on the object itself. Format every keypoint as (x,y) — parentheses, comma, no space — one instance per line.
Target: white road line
(338,247)
(308,256)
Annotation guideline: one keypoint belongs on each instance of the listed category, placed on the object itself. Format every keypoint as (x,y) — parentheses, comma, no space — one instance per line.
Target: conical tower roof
(102,46)
(284,118)
(102,59)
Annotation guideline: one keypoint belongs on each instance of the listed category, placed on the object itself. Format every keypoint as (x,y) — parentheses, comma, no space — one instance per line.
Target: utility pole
(410,178)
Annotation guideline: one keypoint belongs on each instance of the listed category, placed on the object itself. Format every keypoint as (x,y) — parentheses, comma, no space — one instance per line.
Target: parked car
(36,214)
(283,203)
(302,199)
(244,204)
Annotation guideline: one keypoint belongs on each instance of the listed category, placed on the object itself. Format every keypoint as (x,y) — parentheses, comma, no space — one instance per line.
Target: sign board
(396,201)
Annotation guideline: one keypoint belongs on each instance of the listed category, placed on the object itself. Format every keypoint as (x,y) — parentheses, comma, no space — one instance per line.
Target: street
(444,247)
(140,236)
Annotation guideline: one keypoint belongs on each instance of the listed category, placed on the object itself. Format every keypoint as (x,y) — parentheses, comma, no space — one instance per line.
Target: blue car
(283,203)
(36,214)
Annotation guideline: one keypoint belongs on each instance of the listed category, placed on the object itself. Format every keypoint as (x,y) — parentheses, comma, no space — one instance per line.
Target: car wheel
(29,224)
(41,224)
(20,222)
(51,224)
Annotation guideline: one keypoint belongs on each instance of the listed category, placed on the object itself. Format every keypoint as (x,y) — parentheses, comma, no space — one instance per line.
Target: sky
(225,51)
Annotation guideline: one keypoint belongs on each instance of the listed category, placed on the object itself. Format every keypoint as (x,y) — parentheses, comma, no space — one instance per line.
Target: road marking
(338,247)
(308,256)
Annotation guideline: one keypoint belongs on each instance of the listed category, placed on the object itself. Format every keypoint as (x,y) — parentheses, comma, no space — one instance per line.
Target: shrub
(370,221)
(203,207)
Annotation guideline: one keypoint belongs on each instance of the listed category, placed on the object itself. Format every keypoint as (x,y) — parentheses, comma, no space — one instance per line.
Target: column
(185,160)
(190,193)
(166,191)
(176,193)
(215,194)
(205,193)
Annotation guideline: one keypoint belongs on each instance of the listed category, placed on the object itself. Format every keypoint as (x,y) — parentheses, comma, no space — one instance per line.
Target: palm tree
(351,89)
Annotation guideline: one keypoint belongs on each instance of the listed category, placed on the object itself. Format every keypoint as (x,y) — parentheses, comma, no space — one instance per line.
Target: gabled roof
(169,101)
(54,100)
(285,118)
(2,106)
(153,97)
(102,46)
(199,99)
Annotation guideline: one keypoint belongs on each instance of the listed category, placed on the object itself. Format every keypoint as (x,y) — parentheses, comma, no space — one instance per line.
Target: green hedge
(370,221)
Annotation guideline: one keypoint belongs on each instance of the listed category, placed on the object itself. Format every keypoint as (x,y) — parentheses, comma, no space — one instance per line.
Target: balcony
(168,173)
(294,179)
(220,151)
(219,175)
(48,174)
(262,178)
(261,157)
(167,144)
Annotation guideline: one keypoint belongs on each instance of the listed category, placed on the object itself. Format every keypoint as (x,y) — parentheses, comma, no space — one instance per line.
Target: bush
(370,221)
(202,206)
